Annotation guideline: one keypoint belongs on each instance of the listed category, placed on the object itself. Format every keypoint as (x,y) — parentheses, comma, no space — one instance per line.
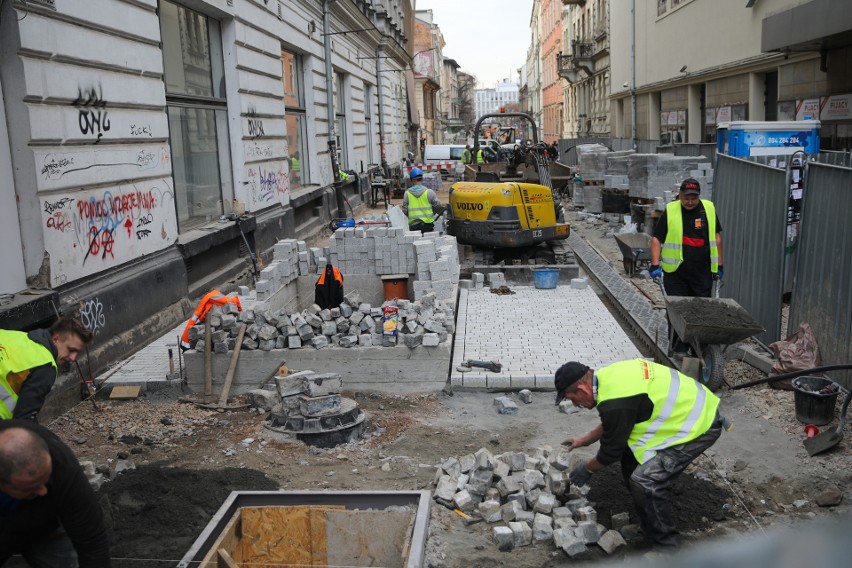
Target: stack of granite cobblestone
(428,322)
(529,500)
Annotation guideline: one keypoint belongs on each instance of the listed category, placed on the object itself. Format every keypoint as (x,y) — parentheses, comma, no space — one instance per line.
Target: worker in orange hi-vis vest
(214,298)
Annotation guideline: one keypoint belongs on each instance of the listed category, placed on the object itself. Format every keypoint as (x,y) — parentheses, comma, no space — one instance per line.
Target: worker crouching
(655,420)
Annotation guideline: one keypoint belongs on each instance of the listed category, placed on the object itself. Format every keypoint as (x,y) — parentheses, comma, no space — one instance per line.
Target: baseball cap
(690,186)
(567,375)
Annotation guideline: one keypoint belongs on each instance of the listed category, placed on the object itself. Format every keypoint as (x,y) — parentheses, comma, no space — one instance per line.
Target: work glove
(656,271)
(718,274)
(580,475)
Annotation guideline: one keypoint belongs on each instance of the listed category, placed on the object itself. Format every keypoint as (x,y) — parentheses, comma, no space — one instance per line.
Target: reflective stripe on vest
(209,300)
(419,208)
(683,408)
(18,353)
(671,254)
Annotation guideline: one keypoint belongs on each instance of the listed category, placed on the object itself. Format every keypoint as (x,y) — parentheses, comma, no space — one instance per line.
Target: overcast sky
(488,38)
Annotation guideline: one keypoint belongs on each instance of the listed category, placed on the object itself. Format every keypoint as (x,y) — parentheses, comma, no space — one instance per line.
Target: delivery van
(443,153)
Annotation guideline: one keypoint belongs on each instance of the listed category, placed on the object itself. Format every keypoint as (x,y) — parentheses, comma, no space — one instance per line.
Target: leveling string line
(733,491)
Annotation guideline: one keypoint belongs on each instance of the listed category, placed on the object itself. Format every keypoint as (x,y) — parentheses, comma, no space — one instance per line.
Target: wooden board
(125,391)
(284,535)
(368,538)
(229,540)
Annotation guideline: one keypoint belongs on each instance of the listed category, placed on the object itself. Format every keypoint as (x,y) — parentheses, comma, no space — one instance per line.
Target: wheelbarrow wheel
(712,372)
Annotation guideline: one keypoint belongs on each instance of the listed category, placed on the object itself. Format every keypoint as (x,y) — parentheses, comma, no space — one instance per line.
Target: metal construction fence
(751,201)
(822,279)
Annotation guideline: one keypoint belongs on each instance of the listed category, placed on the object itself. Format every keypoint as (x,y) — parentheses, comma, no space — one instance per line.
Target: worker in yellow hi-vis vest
(420,204)
(28,364)
(654,420)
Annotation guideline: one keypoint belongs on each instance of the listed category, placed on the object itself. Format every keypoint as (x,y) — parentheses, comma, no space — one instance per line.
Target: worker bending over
(29,361)
(655,420)
(420,204)
(48,511)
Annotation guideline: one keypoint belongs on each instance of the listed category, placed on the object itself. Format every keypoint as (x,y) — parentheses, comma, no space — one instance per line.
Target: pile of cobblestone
(531,498)
(428,322)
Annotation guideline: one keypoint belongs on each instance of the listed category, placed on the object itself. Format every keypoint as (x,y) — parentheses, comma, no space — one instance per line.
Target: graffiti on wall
(255,124)
(267,183)
(89,231)
(92,316)
(92,115)
(101,164)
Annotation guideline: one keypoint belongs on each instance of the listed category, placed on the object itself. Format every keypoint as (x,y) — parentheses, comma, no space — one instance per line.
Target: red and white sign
(433,166)
(836,107)
(807,109)
(723,114)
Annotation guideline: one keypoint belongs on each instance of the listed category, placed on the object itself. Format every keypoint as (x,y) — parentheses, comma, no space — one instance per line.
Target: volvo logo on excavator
(470,206)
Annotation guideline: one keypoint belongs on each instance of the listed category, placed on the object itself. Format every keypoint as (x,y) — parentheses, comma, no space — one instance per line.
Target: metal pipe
(379,59)
(329,88)
(633,72)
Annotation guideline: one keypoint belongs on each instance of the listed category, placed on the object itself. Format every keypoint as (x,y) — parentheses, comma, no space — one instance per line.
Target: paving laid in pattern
(531,333)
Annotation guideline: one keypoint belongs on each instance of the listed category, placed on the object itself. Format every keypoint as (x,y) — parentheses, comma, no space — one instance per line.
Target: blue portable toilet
(760,138)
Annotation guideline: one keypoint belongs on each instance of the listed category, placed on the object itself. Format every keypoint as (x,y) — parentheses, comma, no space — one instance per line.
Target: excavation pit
(305,528)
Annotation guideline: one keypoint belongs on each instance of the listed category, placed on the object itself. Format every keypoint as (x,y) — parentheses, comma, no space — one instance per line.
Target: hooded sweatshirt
(417,191)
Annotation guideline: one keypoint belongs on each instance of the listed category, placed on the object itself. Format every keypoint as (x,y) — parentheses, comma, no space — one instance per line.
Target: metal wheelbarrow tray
(708,321)
(635,248)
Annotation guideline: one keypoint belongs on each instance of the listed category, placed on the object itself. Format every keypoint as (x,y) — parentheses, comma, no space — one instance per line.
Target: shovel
(828,440)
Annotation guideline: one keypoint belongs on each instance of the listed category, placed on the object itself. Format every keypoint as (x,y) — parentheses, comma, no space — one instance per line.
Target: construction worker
(29,361)
(467,155)
(48,511)
(654,420)
(295,169)
(344,177)
(686,247)
(420,204)
(480,156)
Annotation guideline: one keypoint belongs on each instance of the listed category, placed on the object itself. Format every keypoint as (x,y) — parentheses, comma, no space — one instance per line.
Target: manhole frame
(350,499)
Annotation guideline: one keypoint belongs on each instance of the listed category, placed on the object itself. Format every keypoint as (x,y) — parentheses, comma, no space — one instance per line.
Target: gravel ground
(187,458)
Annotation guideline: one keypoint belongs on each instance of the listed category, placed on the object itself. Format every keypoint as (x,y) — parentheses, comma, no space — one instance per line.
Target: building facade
(492,100)
(551,83)
(428,65)
(699,63)
(585,66)
(531,80)
(132,130)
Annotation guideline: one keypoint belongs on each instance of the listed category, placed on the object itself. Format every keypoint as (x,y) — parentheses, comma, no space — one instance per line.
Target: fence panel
(822,285)
(751,200)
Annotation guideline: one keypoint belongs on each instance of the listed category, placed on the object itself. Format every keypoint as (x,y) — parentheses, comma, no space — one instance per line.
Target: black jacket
(38,383)
(69,501)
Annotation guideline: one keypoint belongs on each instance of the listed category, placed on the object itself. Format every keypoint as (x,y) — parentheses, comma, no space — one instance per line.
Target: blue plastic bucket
(545,278)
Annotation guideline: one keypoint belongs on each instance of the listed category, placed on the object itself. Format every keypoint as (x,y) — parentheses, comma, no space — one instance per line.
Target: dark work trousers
(690,279)
(650,483)
(53,551)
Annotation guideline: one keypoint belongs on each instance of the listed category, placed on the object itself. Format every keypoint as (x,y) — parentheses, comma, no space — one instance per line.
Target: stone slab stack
(652,175)
(290,259)
(591,159)
(527,497)
(428,321)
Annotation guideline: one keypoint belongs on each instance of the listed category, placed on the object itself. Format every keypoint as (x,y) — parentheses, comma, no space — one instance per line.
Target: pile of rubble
(532,499)
(428,322)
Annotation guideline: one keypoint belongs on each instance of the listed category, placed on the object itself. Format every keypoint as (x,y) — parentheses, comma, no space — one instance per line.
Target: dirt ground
(756,478)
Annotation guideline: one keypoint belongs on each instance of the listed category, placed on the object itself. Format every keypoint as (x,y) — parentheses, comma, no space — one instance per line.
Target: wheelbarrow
(708,326)
(636,250)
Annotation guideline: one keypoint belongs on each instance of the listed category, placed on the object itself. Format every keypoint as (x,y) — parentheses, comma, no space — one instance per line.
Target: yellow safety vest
(683,408)
(671,255)
(18,354)
(343,175)
(480,158)
(419,208)
(466,157)
(295,165)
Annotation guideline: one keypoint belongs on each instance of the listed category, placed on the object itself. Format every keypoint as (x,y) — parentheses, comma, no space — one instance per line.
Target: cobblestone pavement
(531,333)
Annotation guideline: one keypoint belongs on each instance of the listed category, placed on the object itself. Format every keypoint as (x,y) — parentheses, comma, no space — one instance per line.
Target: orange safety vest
(337,276)
(214,298)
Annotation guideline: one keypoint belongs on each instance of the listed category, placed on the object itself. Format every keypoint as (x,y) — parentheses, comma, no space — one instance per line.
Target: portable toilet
(760,138)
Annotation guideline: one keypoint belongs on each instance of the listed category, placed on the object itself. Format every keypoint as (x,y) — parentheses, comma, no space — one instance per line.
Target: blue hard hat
(415,173)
